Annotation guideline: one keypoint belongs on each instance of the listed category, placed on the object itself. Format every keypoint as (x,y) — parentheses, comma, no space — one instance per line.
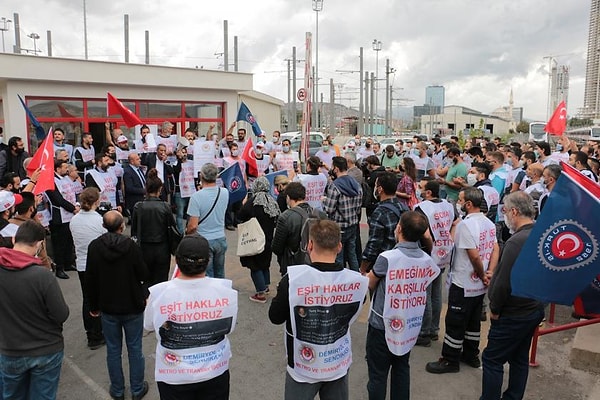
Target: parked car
(316,136)
(313,146)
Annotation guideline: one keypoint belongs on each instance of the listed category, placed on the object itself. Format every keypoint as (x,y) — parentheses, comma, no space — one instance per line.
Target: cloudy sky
(477,49)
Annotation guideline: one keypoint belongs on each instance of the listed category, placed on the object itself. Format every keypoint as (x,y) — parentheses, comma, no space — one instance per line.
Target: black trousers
(158,260)
(463,326)
(92,325)
(213,389)
(62,245)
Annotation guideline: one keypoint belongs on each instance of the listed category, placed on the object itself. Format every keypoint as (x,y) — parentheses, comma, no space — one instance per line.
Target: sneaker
(62,275)
(434,337)
(267,290)
(441,366)
(142,393)
(424,341)
(472,362)
(259,298)
(95,344)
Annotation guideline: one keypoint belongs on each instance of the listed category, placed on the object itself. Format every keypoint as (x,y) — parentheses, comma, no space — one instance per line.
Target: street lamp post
(4,28)
(35,37)
(377,48)
(317,5)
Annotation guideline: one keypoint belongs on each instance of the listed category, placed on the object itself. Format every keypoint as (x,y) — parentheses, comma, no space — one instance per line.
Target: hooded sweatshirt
(115,275)
(343,201)
(32,307)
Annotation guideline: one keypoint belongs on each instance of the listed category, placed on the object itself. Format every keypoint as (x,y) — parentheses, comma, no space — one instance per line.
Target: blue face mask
(559,147)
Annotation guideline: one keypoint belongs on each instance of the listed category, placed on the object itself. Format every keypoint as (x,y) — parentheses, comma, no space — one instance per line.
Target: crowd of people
(435,211)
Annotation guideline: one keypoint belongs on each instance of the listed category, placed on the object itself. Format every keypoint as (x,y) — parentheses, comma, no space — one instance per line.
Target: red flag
(558,122)
(64,112)
(250,158)
(114,106)
(44,159)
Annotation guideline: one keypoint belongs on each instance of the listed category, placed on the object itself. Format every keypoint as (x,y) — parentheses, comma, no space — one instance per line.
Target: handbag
(251,238)
(174,238)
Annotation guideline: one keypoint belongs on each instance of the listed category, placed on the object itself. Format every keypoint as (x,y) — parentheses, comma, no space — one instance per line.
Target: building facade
(435,96)
(458,118)
(591,96)
(71,94)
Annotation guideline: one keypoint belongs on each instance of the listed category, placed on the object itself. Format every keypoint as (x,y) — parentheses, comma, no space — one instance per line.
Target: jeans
(31,377)
(216,264)
(92,325)
(433,307)
(113,327)
(213,389)
(331,390)
(509,340)
(261,279)
(379,361)
(182,205)
(348,253)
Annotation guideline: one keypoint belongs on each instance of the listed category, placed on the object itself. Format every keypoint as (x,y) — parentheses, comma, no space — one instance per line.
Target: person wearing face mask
(263,159)
(274,145)
(11,159)
(423,162)
(441,218)
(29,293)
(516,177)
(479,177)
(383,220)
(457,173)
(390,160)
(550,176)
(7,208)
(326,155)
(224,145)
(513,319)
(366,150)
(562,150)
(284,160)
(475,257)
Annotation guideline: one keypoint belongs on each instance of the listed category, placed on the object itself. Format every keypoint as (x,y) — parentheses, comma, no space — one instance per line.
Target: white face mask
(275,139)
(258,152)
(286,149)
(419,194)
(375,194)
(235,153)
(471,179)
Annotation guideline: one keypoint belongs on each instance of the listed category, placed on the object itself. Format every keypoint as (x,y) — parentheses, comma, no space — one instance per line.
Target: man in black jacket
(286,241)
(115,276)
(11,159)
(513,318)
(63,210)
(134,180)
(159,161)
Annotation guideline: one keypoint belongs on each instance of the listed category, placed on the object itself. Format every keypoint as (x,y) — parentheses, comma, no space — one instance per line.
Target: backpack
(300,256)
(367,195)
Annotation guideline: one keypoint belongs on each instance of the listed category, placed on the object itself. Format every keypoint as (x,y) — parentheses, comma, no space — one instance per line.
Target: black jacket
(58,202)
(115,275)
(134,189)
(151,221)
(287,235)
(149,160)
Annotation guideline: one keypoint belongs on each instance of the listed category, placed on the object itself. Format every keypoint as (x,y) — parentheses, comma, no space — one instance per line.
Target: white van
(313,136)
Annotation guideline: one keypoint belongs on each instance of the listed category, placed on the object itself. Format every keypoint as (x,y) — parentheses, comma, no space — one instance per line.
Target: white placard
(204,152)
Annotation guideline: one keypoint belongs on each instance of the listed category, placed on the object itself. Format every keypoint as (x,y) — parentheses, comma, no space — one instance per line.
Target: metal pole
(235,53)
(367,122)
(4,28)
(147,39)
(373,111)
(17,48)
(225,45)
(126,34)
(289,88)
(316,75)
(332,131)
(387,96)
(294,113)
(361,105)
(315,102)
(49,41)
(85,40)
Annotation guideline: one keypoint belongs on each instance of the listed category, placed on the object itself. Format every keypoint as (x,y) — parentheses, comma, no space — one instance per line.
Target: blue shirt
(213,227)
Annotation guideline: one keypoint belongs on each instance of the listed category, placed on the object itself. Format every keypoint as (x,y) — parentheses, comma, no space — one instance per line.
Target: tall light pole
(35,37)
(4,28)
(377,48)
(85,40)
(317,5)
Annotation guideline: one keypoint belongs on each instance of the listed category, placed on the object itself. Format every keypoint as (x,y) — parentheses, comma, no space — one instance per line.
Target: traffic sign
(301,94)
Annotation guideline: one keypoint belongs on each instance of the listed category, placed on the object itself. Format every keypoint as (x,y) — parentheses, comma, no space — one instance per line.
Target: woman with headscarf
(264,208)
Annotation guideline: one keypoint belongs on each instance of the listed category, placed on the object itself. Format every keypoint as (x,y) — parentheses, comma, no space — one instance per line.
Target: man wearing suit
(134,180)
(159,161)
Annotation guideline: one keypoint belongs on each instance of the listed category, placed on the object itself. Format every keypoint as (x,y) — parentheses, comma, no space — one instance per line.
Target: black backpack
(300,256)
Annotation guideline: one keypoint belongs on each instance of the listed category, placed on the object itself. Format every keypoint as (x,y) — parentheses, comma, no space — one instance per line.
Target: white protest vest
(323,305)
(191,320)
(263,164)
(122,155)
(65,188)
(421,163)
(86,154)
(285,161)
(484,229)
(440,216)
(315,188)
(107,184)
(9,230)
(187,186)
(406,284)
(491,196)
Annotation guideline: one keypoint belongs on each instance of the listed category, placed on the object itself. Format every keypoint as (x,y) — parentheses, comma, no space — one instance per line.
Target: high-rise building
(591,96)
(559,86)
(435,95)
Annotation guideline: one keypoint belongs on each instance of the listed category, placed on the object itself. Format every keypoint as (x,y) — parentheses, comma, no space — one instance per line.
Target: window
(159,110)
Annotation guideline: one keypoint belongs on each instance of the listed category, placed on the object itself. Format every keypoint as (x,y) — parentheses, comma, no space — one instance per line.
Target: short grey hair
(166,125)
(209,172)
(350,156)
(522,202)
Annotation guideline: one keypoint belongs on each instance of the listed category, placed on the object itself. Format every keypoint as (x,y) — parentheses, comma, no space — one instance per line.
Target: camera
(104,207)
